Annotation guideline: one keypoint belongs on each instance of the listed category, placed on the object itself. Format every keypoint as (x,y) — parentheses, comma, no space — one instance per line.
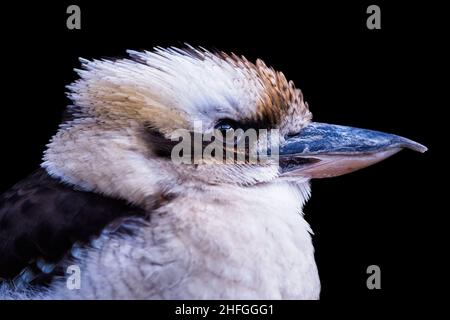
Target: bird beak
(323,150)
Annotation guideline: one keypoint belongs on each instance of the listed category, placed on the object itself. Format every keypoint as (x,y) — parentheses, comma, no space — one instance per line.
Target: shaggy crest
(172,88)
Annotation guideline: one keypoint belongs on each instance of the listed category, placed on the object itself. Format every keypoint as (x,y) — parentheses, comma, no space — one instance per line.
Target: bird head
(161,118)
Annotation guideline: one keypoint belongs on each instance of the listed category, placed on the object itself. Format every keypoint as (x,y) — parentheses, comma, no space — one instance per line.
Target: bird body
(111,200)
(204,245)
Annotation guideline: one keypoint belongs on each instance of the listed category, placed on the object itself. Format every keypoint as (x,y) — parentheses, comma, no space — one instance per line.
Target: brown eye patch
(163,146)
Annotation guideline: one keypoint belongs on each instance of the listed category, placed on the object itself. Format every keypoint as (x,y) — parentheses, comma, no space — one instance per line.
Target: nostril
(290,135)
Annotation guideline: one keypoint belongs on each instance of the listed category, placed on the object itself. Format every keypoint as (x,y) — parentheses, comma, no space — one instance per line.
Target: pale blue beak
(324,150)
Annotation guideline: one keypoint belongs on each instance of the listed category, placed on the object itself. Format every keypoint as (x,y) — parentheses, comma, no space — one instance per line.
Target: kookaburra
(109,198)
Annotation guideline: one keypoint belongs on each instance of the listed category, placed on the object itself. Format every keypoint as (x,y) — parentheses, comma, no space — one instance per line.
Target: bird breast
(222,243)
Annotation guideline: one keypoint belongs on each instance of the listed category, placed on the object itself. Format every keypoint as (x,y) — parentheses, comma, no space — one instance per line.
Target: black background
(350,75)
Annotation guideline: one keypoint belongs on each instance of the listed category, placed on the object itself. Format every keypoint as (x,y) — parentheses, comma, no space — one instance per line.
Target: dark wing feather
(41,218)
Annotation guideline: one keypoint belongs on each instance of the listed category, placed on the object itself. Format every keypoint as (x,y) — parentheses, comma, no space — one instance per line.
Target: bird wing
(41,219)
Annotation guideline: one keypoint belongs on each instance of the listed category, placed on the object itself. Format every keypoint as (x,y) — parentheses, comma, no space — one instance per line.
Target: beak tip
(422,149)
(415,146)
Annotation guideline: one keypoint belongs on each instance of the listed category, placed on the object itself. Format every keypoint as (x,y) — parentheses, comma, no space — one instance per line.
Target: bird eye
(225,125)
